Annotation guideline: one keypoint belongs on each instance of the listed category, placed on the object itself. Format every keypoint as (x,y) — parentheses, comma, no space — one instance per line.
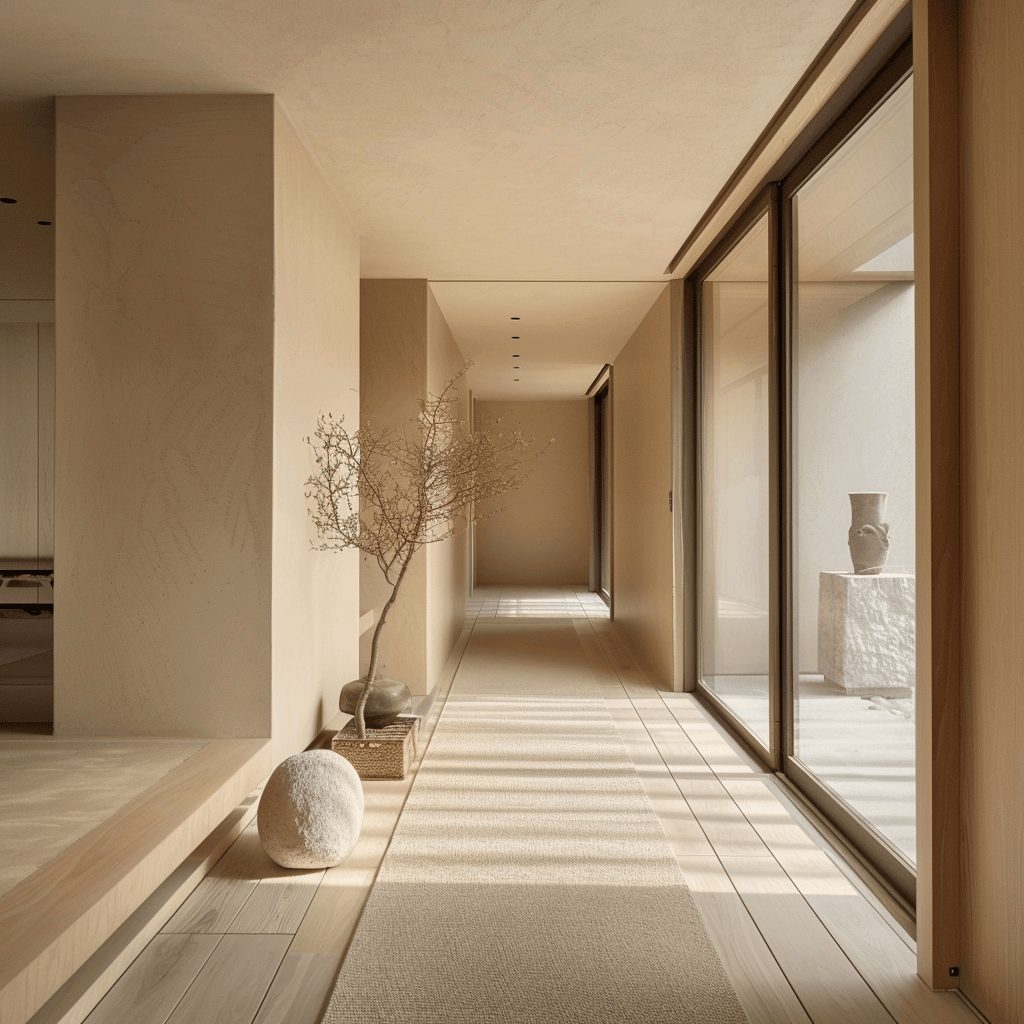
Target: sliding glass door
(853,459)
(806,467)
(735,586)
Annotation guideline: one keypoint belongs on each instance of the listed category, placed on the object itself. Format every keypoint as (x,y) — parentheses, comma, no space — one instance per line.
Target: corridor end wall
(541,536)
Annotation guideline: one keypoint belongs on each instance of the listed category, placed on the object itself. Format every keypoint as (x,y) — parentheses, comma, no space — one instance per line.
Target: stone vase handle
(869,535)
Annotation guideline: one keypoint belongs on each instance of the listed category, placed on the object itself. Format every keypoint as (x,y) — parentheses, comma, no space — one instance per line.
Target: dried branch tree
(389,492)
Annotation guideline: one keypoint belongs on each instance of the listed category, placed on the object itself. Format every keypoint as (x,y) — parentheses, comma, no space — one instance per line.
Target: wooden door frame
(940,605)
(602,382)
(937,329)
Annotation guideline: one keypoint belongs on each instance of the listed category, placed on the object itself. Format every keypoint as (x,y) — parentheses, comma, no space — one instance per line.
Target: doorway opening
(601,487)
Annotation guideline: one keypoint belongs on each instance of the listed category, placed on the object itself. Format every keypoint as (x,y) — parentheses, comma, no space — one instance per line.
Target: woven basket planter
(384,754)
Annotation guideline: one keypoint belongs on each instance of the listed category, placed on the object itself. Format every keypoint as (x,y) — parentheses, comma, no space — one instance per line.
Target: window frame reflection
(766,744)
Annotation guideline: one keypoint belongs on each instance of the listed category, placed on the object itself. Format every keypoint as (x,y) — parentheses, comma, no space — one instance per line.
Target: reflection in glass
(734,482)
(853,474)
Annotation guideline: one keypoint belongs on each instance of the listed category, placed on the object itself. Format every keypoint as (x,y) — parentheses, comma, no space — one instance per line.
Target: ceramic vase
(869,533)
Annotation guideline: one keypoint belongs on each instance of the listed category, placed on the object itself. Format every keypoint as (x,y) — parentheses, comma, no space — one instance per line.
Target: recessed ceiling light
(45,223)
(5,200)
(516,378)
(515,337)
(515,367)
(515,355)
(510,318)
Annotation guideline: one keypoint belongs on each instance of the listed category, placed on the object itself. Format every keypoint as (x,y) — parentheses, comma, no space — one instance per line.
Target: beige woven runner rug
(529,879)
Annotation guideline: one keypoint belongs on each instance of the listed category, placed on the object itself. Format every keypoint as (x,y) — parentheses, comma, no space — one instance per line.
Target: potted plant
(388,493)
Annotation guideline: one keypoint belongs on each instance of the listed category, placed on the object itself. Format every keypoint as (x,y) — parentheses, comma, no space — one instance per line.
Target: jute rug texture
(528,878)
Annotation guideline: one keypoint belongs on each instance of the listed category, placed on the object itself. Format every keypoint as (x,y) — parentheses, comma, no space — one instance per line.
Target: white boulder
(311,810)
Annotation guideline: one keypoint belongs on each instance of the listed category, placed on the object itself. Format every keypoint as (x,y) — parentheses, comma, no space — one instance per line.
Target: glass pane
(734,482)
(853,473)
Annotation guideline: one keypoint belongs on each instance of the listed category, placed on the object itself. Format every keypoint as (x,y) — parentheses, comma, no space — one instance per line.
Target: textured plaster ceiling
(566,333)
(514,140)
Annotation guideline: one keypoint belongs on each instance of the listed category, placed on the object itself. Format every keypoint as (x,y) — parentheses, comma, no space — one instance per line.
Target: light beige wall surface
(47,410)
(542,535)
(27,371)
(408,352)
(316,368)
(447,561)
(992,453)
(642,468)
(164,432)
(392,377)
(19,444)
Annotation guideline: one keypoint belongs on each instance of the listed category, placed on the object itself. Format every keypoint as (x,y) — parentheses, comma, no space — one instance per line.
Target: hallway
(801,939)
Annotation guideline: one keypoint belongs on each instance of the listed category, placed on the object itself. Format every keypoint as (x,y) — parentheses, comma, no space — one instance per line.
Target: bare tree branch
(388,493)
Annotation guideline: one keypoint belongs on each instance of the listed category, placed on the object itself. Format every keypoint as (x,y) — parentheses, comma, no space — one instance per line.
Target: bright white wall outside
(735,536)
(853,430)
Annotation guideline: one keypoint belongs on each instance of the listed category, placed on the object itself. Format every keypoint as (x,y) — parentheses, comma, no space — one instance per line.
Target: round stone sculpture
(388,699)
(311,810)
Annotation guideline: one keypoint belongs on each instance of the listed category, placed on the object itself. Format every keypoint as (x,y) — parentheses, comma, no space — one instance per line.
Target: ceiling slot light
(6,200)
(515,318)
(45,223)
(516,378)
(515,355)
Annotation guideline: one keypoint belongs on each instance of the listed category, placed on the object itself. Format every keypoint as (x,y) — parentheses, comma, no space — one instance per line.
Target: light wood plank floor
(801,938)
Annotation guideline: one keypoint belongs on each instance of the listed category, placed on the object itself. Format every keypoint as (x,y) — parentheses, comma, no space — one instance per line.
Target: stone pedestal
(866,632)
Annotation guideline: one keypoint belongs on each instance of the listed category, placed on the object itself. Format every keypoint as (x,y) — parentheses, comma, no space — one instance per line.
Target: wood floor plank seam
(740,810)
(647,723)
(833,962)
(55,920)
(690,798)
(774,959)
(266,994)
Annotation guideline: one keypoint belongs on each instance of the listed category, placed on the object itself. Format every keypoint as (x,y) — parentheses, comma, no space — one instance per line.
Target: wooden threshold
(58,917)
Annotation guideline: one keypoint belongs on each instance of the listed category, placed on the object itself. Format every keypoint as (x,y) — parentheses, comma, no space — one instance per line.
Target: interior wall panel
(991,39)
(316,368)
(448,568)
(642,480)
(392,377)
(541,534)
(407,353)
(47,413)
(164,429)
(19,443)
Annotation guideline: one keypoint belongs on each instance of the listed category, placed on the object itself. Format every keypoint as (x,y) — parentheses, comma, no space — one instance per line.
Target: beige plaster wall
(19,444)
(642,479)
(164,433)
(392,377)
(542,535)
(448,583)
(315,599)
(992,481)
(27,370)
(408,352)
